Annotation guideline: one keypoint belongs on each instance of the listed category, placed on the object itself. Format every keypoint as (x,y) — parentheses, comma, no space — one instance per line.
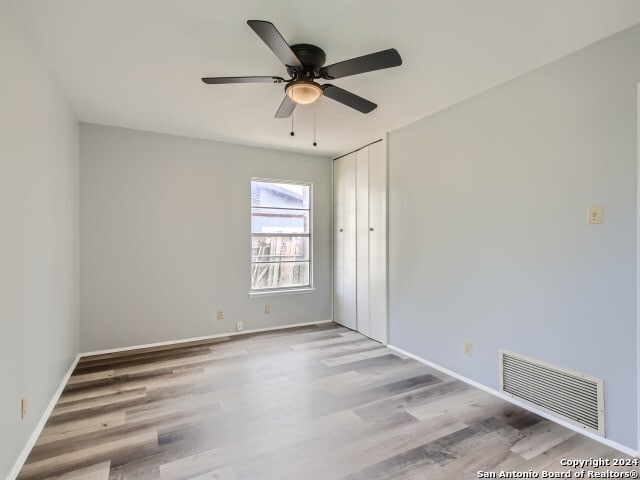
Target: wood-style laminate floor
(316,402)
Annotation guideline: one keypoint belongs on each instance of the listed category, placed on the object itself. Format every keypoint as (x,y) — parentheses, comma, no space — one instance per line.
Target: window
(280,235)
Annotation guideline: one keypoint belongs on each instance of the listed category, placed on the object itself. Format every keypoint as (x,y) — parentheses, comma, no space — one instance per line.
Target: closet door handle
(341,230)
(371,229)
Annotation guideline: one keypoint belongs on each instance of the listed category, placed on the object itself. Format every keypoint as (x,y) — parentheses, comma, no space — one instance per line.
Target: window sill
(273,293)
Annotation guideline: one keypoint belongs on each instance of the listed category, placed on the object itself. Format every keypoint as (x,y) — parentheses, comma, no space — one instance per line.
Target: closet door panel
(345,241)
(362,239)
(378,242)
(338,243)
(350,242)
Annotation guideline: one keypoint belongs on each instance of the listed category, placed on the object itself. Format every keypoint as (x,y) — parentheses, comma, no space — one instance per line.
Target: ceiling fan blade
(367,63)
(347,98)
(286,108)
(271,36)
(221,80)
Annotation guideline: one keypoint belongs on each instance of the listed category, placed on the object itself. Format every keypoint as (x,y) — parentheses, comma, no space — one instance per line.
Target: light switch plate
(594,214)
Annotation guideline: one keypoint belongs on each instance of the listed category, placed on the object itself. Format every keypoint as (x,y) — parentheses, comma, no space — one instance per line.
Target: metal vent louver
(569,395)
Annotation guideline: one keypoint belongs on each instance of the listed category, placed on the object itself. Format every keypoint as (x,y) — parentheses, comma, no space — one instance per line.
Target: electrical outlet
(239,326)
(24,407)
(468,348)
(220,315)
(267,309)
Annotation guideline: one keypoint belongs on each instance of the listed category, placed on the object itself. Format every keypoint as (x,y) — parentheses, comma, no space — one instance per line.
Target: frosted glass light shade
(304,91)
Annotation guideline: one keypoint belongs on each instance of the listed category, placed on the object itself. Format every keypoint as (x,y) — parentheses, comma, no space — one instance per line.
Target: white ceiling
(138,63)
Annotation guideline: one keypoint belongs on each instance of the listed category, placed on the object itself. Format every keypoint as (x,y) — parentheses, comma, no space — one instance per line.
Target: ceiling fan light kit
(305,64)
(303,91)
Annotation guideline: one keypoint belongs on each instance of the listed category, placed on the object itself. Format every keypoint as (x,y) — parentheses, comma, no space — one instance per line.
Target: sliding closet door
(344,241)
(362,240)
(378,242)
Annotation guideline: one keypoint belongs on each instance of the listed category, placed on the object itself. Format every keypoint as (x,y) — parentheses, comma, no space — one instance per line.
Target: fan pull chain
(314,123)
(292,132)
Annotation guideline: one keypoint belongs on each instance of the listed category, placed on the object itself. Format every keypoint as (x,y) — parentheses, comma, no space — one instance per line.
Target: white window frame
(289,289)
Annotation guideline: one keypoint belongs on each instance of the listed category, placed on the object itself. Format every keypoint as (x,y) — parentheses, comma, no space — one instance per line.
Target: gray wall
(488,234)
(38,237)
(164,223)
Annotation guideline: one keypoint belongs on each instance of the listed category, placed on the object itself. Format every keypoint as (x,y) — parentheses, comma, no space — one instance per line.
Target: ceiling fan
(305,64)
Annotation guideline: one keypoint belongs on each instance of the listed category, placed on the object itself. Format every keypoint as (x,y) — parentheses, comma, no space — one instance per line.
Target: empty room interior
(298,240)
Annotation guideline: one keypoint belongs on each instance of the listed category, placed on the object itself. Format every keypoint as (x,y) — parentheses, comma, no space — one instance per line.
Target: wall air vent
(571,396)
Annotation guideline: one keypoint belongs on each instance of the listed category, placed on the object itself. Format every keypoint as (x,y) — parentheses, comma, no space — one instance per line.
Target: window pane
(279,275)
(266,220)
(278,249)
(281,195)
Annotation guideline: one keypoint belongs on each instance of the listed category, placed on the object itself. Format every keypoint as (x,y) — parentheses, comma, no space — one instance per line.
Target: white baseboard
(605,441)
(40,425)
(197,339)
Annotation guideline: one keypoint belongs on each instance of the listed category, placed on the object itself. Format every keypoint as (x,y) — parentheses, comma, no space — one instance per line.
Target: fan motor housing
(310,56)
